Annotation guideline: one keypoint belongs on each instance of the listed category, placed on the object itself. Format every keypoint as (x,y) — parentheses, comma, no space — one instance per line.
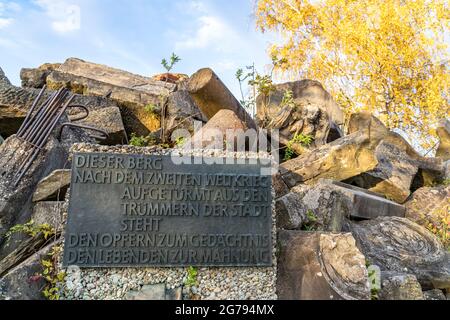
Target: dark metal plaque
(135,210)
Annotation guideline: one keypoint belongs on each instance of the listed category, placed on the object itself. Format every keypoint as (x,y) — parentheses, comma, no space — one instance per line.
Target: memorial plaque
(142,211)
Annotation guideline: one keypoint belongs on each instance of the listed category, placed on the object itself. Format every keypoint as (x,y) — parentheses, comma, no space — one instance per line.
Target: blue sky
(133,35)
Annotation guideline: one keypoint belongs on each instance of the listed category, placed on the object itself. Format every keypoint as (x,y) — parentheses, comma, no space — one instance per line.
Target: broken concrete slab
(54,186)
(109,120)
(130,91)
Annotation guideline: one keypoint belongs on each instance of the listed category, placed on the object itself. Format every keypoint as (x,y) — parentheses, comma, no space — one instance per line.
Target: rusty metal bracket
(79,106)
(104,135)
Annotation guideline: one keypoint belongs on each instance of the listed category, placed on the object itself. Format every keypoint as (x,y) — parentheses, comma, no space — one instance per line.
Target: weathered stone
(400,168)
(328,202)
(110,121)
(290,212)
(148,292)
(1,140)
(392,176)
(23,282)
(398,286)
(15,102)
(279,186)
(37,78)
(181,113)
(53,187)
(304,92)
(211,96)
(132,92)
(15,201)
(429,206)
(443,132)
(342,159)
(48,212)
(302,118)
(435,294)
(223,129)
(320,266)
(398,244)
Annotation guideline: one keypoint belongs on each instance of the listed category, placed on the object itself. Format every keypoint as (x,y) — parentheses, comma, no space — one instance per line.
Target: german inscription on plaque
(135,210)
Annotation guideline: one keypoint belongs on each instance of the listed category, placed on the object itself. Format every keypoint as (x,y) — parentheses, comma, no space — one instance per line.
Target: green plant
(374,289)
(191,280)
(312,223)
(141,141)
(302,139)
(180,141)
(174,59)
(31,229)
(51,275)
(150,108)
(288,99)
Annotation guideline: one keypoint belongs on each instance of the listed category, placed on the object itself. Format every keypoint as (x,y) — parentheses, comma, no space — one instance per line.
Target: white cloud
(212,32)
(65,17)
(4,22)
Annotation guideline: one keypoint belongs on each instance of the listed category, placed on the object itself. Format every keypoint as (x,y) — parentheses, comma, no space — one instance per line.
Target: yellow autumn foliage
(389,57)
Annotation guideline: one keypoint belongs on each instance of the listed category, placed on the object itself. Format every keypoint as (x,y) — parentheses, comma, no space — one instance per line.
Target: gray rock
(109,120)
(435,294)
(54,186)
(148,292)
(1,140)
(328,202)
(397,286)
(15,201)
(48,212)
(320,266)
(400,245)
(181,112)
(23,282)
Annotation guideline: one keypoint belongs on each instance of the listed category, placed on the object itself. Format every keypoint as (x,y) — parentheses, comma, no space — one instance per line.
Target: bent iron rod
(41,142)
(30,111)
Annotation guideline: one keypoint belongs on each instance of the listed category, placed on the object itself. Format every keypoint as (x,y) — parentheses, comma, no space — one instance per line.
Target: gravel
(223,283)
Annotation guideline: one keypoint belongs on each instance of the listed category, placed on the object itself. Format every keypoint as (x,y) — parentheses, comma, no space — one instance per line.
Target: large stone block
(53,187)
(320,266)
(328,203)
(132,92)
(398,286)
(398,244)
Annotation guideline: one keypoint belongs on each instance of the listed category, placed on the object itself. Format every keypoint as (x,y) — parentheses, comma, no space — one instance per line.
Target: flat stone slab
(369,205)
(53,186)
